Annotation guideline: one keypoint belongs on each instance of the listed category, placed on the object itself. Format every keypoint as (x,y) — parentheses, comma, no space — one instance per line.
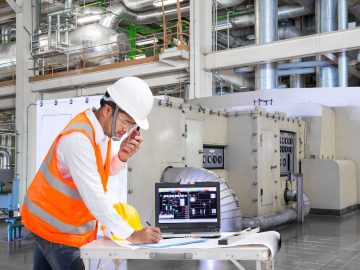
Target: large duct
(326,21)
(266,31)
(230,210)
(119,10)
(290,31)
(94,36)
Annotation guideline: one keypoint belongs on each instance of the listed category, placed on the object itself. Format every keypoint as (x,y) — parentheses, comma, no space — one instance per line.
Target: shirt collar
(99,132)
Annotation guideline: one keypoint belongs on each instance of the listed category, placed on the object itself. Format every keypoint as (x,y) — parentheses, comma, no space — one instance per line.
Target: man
(67,195)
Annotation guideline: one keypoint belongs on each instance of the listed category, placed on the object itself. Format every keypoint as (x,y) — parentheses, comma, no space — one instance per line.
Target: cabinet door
(194,143)
(266,169)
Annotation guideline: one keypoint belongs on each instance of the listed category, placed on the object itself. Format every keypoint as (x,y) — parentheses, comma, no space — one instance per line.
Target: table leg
(270,264)
(87,264)
(237,264)
(258,265)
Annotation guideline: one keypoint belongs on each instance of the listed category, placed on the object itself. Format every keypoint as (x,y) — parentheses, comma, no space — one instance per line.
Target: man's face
(124,123)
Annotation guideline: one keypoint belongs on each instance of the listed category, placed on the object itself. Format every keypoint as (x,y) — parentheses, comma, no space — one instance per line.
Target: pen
(147,223)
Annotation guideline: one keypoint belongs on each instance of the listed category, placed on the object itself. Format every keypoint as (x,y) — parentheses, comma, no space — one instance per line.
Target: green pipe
(132,39)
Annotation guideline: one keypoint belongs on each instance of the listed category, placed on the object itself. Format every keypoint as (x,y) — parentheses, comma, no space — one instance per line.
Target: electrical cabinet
(257,143)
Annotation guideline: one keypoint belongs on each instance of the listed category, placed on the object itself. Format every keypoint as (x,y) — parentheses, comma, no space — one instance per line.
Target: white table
(107,249)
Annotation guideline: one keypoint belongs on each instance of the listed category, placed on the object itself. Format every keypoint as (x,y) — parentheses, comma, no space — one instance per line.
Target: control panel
(287,151)
(213,157)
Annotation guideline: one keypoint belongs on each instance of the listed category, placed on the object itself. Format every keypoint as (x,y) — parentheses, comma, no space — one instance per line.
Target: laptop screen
(188,205)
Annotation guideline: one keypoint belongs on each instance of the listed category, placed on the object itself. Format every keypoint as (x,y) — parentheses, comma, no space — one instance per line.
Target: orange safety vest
(53,208)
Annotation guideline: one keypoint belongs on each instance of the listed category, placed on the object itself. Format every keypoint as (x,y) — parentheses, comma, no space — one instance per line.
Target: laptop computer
(188,210)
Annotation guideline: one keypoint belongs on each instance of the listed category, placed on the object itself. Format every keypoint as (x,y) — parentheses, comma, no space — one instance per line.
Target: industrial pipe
(284,12)
(266,222)
(342,56)
(326,21)
(290,31)
(266,31)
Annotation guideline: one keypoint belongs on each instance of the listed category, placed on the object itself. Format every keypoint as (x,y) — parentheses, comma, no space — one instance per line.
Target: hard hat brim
(143,124)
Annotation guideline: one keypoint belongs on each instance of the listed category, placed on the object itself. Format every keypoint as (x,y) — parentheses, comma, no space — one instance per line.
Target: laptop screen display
(186,204)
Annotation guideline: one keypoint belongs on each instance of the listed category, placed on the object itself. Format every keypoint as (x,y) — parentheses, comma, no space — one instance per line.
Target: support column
(266,30)
(200,44)
(24,96)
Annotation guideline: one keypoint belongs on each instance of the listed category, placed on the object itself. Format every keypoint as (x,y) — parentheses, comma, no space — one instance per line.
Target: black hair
(112,104)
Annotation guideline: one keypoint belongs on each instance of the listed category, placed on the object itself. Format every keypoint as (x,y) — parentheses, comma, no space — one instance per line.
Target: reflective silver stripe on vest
(56,183)
(85,127)
(61,226)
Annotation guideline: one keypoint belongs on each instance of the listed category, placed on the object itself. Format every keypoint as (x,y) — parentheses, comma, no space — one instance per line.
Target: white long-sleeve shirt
(76,159)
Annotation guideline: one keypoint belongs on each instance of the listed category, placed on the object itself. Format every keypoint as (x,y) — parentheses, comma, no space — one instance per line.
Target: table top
(107,249)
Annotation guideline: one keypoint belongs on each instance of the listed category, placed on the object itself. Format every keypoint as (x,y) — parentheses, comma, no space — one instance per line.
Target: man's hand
(147,235)
(129,147)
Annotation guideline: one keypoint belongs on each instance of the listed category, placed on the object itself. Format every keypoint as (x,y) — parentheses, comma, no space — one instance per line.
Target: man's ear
(107,111)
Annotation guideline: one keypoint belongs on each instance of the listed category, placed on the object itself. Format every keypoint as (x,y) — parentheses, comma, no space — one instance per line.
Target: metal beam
(7,103)
(307,64)
(285,49)
(17,8)
(7,18)
(300,71)
(7,91)
(108,76)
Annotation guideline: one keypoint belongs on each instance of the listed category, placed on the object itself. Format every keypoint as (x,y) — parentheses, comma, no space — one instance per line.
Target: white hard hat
(133,96)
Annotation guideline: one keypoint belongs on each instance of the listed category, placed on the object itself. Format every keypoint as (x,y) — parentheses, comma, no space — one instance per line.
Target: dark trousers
(51,256)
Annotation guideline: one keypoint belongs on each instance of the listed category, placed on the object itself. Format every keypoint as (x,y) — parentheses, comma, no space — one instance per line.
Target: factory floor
(322,242)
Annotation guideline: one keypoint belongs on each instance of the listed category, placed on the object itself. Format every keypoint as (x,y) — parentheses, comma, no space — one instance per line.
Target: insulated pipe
(326,21)
(229,3)
(69,4)
(118,10)
(4,159)
(142,5)
(284,12)
(288,215)
(342,56)
(139,5)
(266,31)
(37,16)
(308,4)
(285,32)
(230,40)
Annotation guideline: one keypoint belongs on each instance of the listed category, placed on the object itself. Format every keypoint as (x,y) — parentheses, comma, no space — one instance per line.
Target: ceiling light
(159,3)
(89,19)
